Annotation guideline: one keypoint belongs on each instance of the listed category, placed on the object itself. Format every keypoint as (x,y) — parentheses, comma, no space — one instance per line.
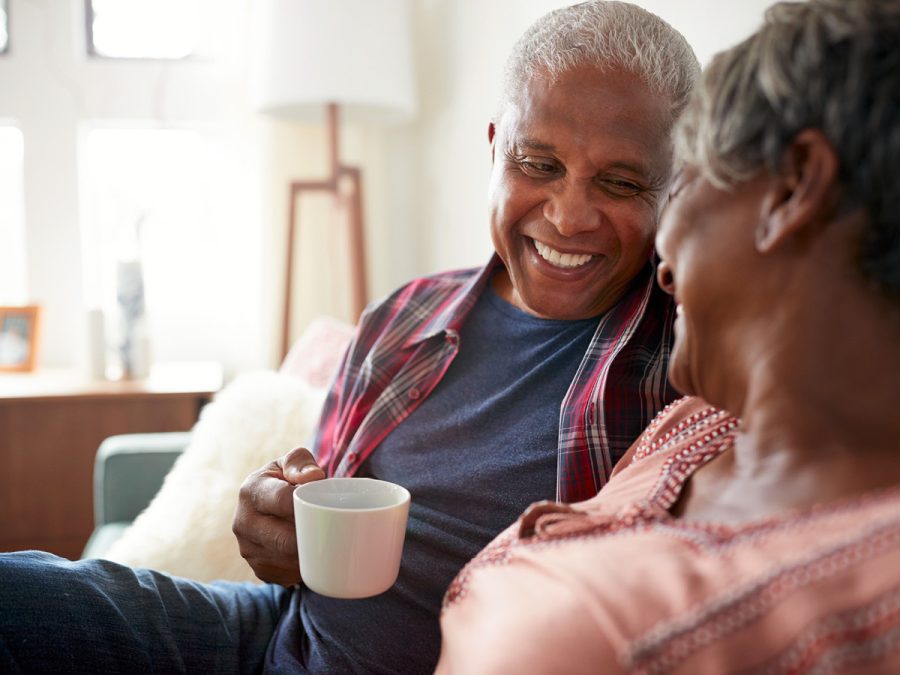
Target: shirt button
(414,393)
(351,457)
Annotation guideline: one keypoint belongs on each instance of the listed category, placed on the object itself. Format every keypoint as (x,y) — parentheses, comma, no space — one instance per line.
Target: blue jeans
(95,616)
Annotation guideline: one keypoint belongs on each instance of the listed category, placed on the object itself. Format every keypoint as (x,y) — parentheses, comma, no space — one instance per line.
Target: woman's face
(706,241)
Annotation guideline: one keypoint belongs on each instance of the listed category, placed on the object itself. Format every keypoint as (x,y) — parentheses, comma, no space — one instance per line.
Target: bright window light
(4,27)
(182,187)
(13,287)
(152,29)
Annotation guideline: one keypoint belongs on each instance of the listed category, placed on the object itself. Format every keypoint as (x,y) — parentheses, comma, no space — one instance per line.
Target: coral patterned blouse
(620,585)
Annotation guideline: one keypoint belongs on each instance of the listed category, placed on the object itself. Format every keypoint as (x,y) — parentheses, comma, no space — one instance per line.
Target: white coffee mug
(350,534)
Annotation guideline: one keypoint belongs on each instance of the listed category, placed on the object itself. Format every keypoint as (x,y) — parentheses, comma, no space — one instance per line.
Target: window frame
(4,4)
(89,30)
(13,257)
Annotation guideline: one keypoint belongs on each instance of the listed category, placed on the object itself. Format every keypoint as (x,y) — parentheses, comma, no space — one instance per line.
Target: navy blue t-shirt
(473,455)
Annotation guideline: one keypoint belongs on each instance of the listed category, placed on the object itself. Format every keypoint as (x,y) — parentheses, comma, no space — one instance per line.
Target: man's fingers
(270,490)
(269,534)
(279,538)
(285,571)
(299,466)
(268,495)
(271,551)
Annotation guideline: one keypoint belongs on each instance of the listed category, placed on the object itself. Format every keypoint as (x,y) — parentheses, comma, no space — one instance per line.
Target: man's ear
(492,130)
(804,191)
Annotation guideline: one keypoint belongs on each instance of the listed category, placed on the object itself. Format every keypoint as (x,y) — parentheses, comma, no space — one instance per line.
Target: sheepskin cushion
(186,529)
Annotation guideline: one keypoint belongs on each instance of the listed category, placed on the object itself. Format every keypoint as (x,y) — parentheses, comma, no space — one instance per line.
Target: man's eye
(621,187)
(537,168)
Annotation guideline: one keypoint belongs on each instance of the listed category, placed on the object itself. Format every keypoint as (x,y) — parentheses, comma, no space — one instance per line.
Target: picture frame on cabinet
(19,330)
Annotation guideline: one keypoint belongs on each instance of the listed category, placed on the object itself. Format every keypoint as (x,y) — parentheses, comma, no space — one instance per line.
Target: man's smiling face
(580,168)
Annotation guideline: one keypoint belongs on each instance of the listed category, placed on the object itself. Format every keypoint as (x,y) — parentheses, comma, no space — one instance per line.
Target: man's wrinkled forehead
(544,87)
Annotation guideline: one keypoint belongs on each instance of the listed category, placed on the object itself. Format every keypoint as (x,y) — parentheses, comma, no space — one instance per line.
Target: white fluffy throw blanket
(186,529)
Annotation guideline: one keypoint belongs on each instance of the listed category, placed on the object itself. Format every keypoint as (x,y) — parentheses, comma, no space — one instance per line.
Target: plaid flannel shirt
(404,345)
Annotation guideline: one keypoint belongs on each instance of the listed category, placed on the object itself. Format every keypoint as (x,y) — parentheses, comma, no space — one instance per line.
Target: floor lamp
(352,59)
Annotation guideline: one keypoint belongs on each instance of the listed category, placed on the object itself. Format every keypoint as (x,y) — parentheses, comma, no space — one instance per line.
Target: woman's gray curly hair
(832,65)
(609,35)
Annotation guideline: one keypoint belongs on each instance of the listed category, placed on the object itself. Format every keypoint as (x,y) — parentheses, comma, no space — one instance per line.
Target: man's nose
(573,208)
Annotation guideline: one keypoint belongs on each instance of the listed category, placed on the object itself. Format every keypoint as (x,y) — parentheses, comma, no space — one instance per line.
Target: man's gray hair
(832,65)
(608,35)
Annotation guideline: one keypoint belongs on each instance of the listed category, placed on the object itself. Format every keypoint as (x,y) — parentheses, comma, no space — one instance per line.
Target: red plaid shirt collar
(451,313)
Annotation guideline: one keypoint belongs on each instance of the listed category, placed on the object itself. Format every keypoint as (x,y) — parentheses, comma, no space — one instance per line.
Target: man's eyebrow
(532,144)
(633,167)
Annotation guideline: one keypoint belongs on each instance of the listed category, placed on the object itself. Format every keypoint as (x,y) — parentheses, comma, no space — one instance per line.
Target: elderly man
(481,391)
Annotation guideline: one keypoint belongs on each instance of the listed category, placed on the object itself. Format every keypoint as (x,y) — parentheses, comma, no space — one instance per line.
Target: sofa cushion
(130,469)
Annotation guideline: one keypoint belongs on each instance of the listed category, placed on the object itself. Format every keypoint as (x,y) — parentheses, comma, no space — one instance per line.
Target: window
(4,27)
(181,189)
(144,29)
(12,222)
(189,181)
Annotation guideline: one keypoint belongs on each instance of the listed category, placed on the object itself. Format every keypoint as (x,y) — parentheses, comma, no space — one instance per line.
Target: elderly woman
(755,527)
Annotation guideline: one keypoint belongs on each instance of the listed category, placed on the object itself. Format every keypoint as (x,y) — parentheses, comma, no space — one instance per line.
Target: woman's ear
(803,193)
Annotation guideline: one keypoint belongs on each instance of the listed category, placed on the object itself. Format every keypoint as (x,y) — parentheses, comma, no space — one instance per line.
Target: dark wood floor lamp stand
(345,183)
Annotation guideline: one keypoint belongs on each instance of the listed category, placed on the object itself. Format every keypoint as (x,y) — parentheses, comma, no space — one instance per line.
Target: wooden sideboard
(51,423)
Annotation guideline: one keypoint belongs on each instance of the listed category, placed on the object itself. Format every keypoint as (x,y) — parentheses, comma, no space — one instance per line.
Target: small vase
(133,339)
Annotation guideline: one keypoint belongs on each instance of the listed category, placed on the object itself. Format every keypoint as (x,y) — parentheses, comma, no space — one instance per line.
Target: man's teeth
(564,260)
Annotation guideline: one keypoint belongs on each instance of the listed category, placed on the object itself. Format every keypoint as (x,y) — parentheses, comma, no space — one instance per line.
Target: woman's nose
(664,277)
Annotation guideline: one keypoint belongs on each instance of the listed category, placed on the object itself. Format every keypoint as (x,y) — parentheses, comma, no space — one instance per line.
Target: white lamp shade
(356,53)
